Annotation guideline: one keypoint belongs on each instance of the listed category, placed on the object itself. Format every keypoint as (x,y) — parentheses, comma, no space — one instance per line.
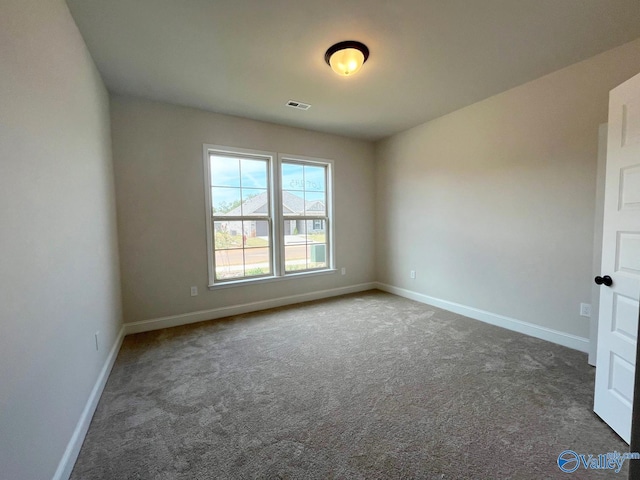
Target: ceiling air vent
(298,105)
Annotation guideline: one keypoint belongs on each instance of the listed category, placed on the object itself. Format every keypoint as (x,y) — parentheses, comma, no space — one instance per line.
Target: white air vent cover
(298,105)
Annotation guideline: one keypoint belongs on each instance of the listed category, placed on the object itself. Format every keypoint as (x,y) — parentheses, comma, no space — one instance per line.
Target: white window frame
(276,217)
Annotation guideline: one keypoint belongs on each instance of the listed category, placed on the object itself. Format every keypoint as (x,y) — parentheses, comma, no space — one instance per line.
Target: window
(268,216)
(304,212)
(242,217)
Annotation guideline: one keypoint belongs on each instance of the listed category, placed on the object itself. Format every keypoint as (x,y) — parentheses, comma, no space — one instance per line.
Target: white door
(620,274)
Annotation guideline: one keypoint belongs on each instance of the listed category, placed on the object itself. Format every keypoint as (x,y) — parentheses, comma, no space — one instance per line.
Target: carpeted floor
(368,385)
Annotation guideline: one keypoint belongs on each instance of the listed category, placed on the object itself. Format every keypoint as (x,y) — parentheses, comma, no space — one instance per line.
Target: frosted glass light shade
(347,58)
(346,62)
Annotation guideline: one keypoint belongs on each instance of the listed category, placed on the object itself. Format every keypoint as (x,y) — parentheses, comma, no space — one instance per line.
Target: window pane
(256,233)
(257,261)
(227,235)
(294,231)
(225,171)
(253,173)
(229,264)
(292,203)
(315,203)
(292,176)
(317,255)
(314,178)
(295,257)
(226,201)
(255,201)
(316,231)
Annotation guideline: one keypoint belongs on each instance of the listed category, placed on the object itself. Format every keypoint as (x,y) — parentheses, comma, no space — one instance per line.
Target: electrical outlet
(343,271)
(194,291)
(412,274)
(97,337)
(585,309)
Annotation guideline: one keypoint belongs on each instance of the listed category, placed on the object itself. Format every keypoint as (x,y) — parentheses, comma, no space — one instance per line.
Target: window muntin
(252,238)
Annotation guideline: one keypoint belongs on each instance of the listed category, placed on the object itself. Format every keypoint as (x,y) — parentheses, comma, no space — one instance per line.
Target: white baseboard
(203,315)
(544,333)
(73,447)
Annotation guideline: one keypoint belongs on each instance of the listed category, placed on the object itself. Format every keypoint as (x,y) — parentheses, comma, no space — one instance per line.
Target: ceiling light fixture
(346,58)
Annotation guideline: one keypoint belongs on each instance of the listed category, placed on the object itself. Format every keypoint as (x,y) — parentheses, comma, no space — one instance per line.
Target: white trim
(277,229)
(208,210)
(200,316)
(252,281)
(561,338)
(70,455)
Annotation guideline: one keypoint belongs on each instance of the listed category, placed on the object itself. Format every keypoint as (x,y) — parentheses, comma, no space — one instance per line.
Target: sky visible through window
(235,180)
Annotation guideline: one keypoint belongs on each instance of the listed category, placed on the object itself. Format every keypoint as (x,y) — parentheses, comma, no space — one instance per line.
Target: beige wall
(161,210)
(59,280)
(493,205)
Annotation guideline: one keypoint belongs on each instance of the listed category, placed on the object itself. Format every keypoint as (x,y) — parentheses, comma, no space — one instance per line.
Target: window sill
(289,276)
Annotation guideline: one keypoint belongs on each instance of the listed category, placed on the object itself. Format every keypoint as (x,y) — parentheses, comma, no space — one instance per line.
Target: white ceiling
(428,57)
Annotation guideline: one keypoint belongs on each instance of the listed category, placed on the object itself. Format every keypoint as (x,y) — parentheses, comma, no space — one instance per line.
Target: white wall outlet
(194,291)
(343,271)
(585,309)
(412,274)
(97,337)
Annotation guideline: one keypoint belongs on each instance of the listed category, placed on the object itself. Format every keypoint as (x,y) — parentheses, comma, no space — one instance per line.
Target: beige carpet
(368,386)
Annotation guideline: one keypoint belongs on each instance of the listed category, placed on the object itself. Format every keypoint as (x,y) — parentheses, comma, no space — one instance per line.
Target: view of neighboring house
(292,205)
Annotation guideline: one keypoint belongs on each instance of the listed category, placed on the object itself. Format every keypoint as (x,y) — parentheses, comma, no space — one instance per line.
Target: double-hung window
(241,211)
(304,214)
(268,215)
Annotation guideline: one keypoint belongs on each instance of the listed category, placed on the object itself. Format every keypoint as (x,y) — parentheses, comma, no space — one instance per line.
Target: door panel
(625,317)
(630,190)
(628,253)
